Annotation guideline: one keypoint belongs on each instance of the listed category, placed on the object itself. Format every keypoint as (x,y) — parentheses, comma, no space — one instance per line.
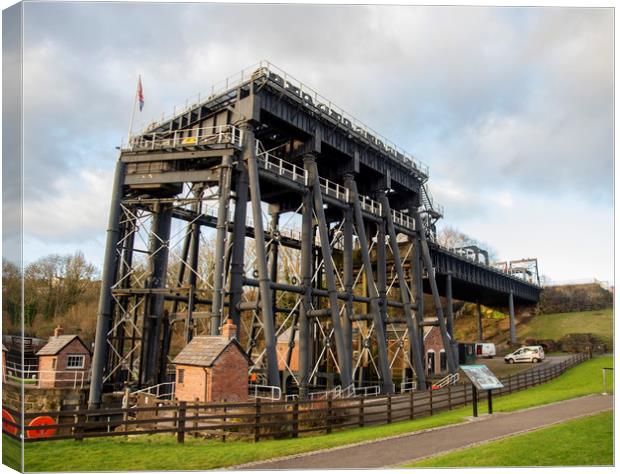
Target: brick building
(64,361)
(212,368)
(435,359)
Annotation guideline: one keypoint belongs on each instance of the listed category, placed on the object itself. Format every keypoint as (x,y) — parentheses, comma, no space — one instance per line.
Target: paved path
(403,448)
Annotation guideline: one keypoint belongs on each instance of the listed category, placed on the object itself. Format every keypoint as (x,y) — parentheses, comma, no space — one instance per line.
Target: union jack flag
(140,94)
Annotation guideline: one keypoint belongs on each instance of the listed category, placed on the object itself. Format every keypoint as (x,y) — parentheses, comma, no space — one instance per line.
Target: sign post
(482,379)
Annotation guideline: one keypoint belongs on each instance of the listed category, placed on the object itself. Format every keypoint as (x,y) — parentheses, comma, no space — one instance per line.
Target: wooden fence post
(181,422)
(257,420)
(361,411)
(389,408)
(79,419)
(295,424)
(329,413)
(196,413)
(224,423)
(431,400)
(449,397)
(411,408)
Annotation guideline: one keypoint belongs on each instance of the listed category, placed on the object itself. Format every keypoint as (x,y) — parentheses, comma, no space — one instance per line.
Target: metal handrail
(273,392)
(309,97)
(216,135)
(410,386)
(157,388)
(370,390)
(450,379)
(40,376)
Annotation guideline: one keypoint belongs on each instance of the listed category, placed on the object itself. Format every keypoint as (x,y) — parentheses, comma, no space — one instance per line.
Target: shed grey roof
(204,350)
(57,343)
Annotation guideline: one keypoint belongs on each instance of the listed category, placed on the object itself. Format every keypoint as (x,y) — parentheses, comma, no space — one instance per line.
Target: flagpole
(133,109)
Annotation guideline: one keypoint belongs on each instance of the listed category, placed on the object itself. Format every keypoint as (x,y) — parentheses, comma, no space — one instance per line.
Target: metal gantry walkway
(323,230)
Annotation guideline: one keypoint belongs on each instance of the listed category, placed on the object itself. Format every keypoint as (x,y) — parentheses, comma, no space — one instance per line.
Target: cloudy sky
(510,107)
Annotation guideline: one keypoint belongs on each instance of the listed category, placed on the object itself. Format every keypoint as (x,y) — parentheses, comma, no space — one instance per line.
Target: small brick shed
(212,369)
(435,360)
(64,361)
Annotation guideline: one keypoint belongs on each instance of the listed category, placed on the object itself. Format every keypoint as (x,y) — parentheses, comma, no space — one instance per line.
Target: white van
(485,349)
(526,354)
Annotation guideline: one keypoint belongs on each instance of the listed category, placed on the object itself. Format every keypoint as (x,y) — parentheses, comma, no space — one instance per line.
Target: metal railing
(368,391)
(189,137)
(450,379)
(403,220)
(281,167)
(265,392)
(163,390)
(409,386)
(308,97)
(47,378)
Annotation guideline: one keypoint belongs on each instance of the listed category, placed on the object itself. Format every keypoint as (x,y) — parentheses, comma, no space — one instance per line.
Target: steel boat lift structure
(339,261)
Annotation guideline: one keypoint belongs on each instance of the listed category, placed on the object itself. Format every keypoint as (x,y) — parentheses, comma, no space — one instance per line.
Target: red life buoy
(11,429)
(44,432)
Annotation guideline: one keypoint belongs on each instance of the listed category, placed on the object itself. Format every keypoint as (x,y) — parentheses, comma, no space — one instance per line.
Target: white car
(526,354)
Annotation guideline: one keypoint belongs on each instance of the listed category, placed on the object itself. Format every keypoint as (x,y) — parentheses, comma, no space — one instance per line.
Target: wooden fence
(261,419)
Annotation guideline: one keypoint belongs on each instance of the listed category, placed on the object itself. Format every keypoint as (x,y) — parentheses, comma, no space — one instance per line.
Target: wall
(433,341)
(229,377)
(193,386)
(67,377)
(37,399)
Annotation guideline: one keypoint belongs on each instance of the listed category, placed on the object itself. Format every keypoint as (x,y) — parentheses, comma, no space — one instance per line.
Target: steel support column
(328,266)
(238,247)
(274,212)
(449,306)
(385,374)
(347,268)
(479,321)
(415,354)
(154,307)
(305,346)
(108,277)
(447,340)
(249,154)
(221,232)
(511,309)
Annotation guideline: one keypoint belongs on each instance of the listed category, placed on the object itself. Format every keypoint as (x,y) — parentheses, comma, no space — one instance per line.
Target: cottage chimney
(58,331)
(229,330)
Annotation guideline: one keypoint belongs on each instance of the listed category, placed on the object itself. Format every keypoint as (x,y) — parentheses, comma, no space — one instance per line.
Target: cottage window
(181,376)
(54,363)
(75,361)
(443,361)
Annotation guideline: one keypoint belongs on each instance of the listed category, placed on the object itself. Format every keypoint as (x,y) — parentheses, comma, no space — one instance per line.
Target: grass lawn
(554,326)
(583,442)
(11,453)
(161,452)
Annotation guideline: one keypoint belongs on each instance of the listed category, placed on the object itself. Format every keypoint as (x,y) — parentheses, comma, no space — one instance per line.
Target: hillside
(553,327)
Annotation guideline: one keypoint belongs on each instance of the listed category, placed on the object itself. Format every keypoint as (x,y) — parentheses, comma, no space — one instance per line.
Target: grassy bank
(583,442)
(543,326)
(557,325)
(161,452)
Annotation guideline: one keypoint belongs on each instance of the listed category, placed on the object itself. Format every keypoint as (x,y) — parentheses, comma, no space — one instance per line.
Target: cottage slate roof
(204,350)
(57,343)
